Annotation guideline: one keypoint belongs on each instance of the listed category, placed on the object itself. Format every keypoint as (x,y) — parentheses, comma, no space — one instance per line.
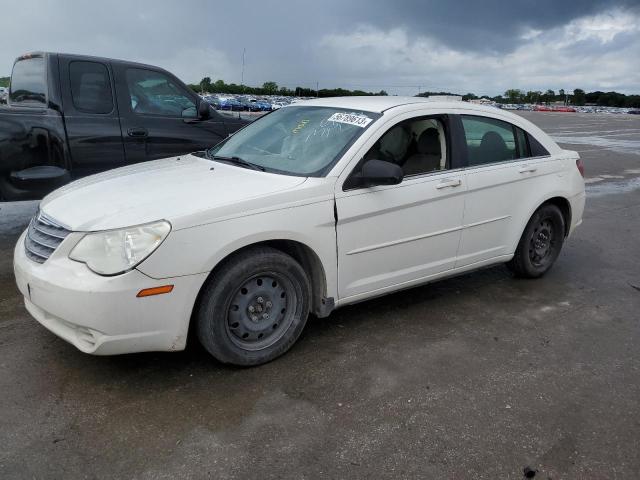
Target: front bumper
(102,315)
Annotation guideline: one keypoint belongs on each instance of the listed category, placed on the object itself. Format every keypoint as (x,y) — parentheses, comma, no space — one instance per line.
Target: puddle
(617,145)
(612,188)
(587,181)
(14,216)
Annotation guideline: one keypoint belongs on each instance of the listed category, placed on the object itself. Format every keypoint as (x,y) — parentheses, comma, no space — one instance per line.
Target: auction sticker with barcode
(351,119)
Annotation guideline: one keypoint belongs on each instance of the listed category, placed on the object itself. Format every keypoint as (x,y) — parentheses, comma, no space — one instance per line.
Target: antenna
(244,50)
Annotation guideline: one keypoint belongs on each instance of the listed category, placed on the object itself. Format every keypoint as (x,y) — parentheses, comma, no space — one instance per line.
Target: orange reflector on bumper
(147,292)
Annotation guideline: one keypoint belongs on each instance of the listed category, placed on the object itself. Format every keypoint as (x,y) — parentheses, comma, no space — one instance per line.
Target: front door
(158,116)
(393,236)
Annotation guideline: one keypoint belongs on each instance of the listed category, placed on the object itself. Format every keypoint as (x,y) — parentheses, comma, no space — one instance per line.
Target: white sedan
(317,205)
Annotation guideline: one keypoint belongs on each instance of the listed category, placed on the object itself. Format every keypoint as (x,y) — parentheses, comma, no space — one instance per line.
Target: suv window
(417,145)
(489,140)
(28,82)
(154,93)
(90,87)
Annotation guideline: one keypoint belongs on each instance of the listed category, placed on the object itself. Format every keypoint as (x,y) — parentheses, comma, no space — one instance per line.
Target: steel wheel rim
(260,311)
(542,243)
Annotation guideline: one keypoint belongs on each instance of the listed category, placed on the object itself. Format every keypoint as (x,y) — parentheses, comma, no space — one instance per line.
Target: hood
(167,189)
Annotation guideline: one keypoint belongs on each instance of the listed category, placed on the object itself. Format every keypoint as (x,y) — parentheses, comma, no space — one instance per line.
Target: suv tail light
(580,166)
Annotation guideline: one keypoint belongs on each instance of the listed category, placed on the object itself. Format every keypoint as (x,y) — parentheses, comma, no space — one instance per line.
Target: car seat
(429,154)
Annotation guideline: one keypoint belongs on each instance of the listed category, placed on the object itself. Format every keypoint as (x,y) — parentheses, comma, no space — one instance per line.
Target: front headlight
(117,251)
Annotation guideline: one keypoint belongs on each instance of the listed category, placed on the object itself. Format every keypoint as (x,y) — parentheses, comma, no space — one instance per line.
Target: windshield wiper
(237,161)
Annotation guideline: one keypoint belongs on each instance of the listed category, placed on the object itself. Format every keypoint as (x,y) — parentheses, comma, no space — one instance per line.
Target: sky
(401,46)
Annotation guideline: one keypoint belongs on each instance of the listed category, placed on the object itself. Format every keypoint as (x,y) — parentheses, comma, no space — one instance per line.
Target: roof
(89,57)
(379,104)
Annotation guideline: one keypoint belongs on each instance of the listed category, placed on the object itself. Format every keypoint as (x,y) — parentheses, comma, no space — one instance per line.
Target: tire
(254,308)
(540,243)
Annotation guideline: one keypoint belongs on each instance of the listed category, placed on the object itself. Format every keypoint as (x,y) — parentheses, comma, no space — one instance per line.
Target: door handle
(137,132)
(449,183)
(527,169)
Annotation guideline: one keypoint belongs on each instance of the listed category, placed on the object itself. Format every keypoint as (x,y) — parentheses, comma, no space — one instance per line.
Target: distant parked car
(263,106)
(315,206)
(634,112)
(564,109)
(213,101)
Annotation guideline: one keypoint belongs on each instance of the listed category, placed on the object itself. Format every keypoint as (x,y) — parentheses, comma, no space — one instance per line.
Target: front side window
(90,87)
(28,82)
(154,93)
(488,140)
(417,145)
(298,140)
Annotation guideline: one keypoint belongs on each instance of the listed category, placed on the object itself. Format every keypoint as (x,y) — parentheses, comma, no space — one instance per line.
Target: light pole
(244,50)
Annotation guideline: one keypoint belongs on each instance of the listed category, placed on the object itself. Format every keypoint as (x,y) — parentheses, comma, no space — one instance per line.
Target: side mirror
(203,110)
(377,172)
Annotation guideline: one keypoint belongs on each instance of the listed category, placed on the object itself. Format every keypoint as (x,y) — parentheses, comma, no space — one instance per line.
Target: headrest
(395,142)
(493,141)
(429,142)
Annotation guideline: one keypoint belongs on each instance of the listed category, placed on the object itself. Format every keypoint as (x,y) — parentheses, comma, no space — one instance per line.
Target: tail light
(580,166)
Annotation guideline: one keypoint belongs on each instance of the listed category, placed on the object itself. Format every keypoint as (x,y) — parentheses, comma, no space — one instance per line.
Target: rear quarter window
(537,150)
(28,82)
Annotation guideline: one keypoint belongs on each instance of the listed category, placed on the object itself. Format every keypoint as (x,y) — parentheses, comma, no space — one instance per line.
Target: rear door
(503,181)
(158,115)
(91,116)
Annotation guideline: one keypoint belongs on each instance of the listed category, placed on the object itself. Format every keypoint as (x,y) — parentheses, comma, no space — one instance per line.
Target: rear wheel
(540,243)
(254,308)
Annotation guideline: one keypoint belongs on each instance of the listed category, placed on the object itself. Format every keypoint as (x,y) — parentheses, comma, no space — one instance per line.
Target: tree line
(577,97)
(514,95)
(272,88)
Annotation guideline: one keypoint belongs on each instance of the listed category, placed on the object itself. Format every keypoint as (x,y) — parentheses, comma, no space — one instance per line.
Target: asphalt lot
(473,377)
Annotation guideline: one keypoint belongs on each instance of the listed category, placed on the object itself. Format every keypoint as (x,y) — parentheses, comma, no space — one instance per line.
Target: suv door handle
(527,169)
(137,132)
(449,183)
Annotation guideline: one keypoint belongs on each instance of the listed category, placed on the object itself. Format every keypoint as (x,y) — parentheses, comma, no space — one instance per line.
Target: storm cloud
(403,46)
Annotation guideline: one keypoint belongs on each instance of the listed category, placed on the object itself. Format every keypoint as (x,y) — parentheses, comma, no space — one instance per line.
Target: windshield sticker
(351,119)
(300,126)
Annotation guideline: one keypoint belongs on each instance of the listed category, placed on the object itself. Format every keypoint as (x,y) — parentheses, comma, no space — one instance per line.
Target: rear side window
(488,140)
(28,82)
(90,87)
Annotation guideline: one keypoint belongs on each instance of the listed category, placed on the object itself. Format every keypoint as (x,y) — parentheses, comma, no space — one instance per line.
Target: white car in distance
(317,205)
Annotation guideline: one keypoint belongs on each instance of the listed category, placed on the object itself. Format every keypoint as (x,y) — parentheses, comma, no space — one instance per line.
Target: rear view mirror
(376,172)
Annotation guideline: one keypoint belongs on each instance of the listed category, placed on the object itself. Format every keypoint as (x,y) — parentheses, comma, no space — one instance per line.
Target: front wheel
(254,308)
(540,243)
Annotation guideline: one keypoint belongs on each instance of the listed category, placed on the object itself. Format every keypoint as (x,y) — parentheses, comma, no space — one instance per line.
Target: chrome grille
(43,237)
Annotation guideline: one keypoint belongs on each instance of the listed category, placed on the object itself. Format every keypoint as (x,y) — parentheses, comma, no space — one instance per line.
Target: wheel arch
(558,200)
(565,207)
(310,261)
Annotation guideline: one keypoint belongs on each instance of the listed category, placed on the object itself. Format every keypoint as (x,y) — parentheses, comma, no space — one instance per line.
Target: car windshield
(300,140)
